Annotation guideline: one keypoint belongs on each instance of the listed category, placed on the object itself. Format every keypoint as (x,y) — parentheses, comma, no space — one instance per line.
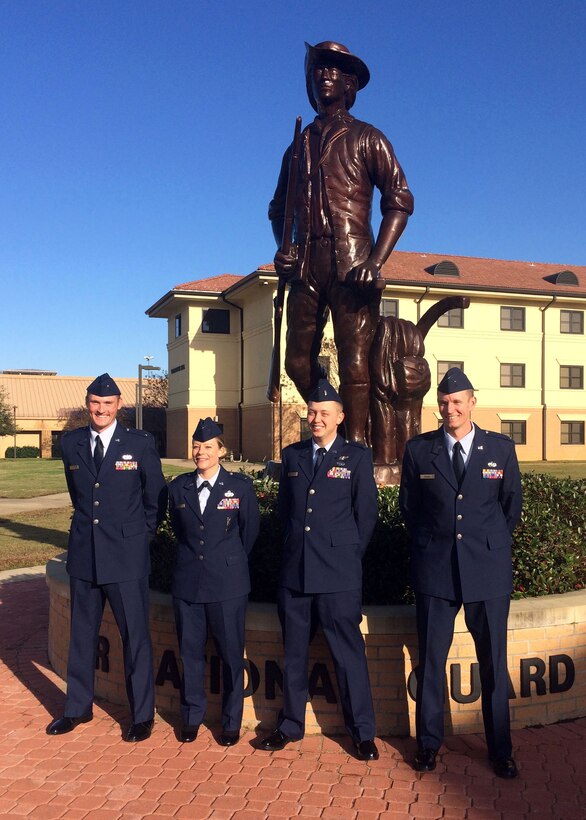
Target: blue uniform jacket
(327,521)
(116,512)
(212,559)
(465,532)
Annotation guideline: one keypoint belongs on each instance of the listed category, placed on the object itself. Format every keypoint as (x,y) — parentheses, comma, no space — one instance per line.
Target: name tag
(292,475)
(426,475)
(180,507)
(126,465)
(488,473)
(339,472)
(229,504)
(74,466)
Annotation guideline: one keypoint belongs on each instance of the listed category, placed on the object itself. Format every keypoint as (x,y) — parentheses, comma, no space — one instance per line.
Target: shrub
(549,550)
(22,452)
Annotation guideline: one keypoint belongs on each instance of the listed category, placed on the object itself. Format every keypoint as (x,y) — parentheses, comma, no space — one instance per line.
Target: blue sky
(141,141)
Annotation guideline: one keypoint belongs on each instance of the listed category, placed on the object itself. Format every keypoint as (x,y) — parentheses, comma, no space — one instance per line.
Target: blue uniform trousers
(226,622)
(339,614)
(129,601)
(487,623)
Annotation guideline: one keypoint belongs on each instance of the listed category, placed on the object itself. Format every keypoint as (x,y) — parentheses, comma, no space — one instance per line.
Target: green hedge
(23,452)
(549,551)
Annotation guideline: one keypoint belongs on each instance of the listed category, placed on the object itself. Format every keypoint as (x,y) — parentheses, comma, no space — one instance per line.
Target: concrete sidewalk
(92,773)
(12,506)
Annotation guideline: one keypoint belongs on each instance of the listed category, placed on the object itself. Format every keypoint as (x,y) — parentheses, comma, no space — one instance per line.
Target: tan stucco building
(521,341)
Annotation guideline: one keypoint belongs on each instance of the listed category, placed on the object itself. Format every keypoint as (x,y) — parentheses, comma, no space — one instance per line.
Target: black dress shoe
(139,731)
(60,726)
(275,741)
(188,734)
(229,738)
(505,767)
(424,760)
(366,750)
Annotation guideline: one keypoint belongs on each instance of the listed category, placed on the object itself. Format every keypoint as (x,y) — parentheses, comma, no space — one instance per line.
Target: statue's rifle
(274,388)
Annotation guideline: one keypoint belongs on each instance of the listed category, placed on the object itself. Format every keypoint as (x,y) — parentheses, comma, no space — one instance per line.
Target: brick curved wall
(547,664)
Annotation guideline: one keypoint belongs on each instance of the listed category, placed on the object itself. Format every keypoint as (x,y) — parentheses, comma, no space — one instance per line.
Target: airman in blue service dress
(461,499)
(328,508)
(215,516)
(119,496)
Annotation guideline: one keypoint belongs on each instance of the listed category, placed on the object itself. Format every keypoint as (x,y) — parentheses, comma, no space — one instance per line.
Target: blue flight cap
(324,392)
(104,385)
(454,381)
(207,429)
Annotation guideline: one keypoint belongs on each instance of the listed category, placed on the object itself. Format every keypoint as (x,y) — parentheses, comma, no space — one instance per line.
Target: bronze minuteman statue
(333,261)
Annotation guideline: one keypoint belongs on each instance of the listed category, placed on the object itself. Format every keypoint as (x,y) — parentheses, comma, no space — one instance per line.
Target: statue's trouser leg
(355,314)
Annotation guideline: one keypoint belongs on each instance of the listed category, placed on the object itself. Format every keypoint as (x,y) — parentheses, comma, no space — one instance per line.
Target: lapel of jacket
(217,492)
(190,495)
(306,460)
(113,450)
(332,454)
(441,460)
(84,450)
(477,454)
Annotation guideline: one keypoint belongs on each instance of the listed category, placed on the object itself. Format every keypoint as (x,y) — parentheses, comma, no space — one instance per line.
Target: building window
(389,307)
(572,321)
(572,432)
(571,377)
(216,320)
(512,318)
(178,326)
(512,375)
(453,318)
(517,430)
(443,367)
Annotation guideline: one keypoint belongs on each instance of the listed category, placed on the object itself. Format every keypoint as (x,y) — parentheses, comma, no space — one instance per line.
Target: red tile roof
(215,284)
(405,267)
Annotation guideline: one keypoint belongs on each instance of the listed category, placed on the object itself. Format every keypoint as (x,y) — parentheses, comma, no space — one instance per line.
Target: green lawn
(559,469)
(30,477)
(29,539)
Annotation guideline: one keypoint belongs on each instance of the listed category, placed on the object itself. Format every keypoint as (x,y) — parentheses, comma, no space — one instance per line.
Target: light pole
(14,415)
(142,367)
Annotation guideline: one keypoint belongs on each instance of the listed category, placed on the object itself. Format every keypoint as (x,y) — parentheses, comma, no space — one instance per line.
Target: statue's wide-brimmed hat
(338,55)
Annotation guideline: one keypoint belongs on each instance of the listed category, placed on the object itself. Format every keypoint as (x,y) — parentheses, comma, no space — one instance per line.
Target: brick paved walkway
(92,773)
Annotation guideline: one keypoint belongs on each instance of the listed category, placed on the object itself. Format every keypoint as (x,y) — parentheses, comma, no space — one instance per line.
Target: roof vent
(444,268)
(564,277)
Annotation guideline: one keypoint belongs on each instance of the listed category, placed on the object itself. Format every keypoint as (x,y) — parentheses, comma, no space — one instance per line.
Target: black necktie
(458,462)
(319,457)
(98,452)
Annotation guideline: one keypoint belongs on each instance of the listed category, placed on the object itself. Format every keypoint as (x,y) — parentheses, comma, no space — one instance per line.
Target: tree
(155,391)
(7,427)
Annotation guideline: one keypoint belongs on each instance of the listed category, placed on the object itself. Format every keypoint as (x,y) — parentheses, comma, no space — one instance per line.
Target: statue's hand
(286,263)
(364,275)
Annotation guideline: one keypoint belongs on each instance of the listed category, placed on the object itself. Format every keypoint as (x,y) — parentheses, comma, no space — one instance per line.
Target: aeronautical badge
(127,457)
(229,503)
(492,473)
(492,463)
(229,494)
(339,472)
